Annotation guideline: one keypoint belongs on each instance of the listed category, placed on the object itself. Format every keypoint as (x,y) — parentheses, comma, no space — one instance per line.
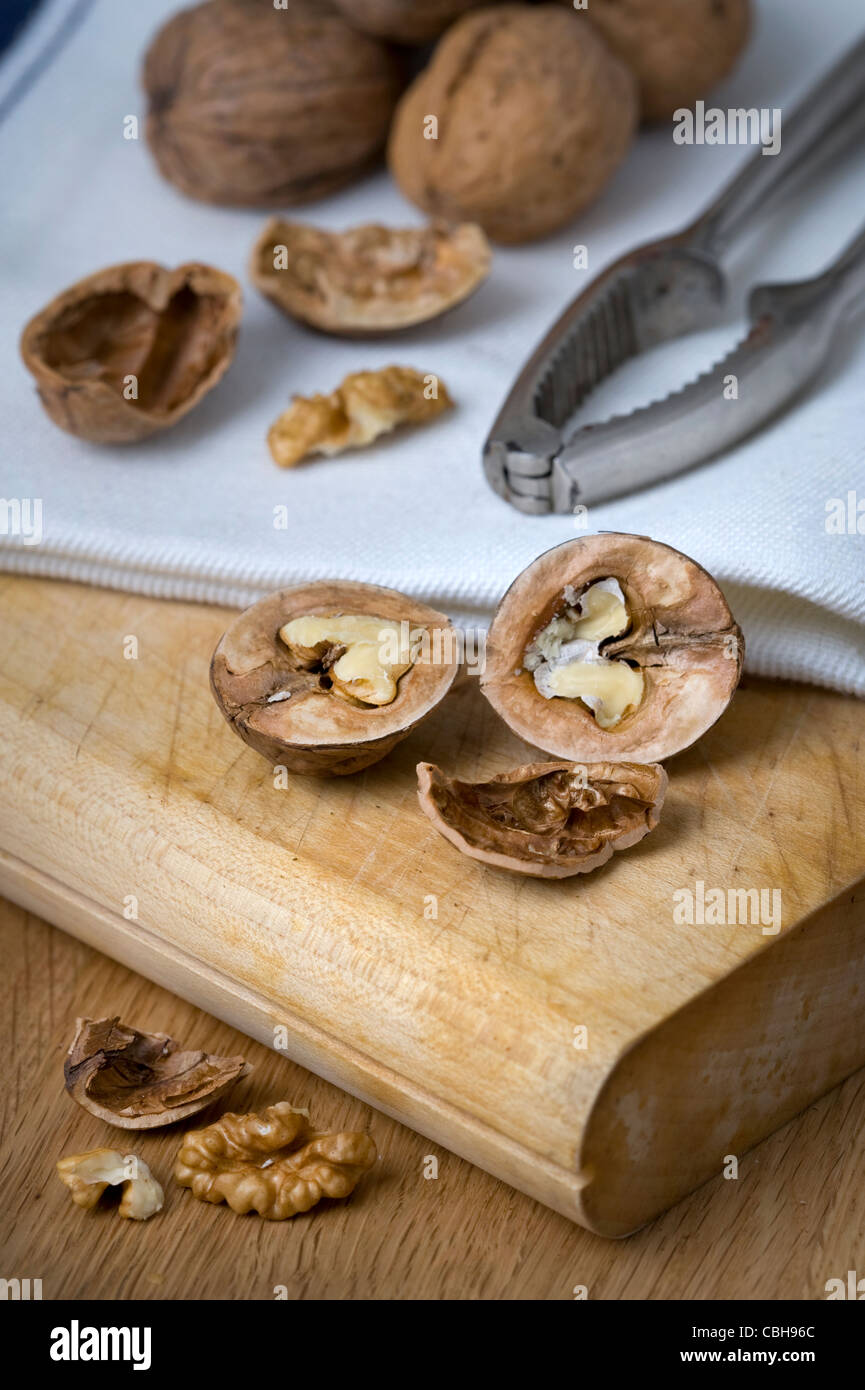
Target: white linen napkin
(191,513)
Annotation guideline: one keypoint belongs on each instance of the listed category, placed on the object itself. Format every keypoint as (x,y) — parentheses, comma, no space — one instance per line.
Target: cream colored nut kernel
(372,659)
(365,406)
(566,660)
(609,688)
(88,1175)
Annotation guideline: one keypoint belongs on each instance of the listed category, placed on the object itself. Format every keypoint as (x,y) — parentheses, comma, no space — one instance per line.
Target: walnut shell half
(289,705)
(128,351)
(142,1080)
(272,1163)
(676,639)
(548,820)
(263,106)
(518,122)
(371,279)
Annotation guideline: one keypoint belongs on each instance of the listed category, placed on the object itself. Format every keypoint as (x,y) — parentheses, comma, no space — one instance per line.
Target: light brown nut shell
(262,107)
(271,1163)
(141,1080)
(315,732)
(547,820)
(534,115)
(372,279)
(677,49)
(173,330)
(682,635)
(405,21)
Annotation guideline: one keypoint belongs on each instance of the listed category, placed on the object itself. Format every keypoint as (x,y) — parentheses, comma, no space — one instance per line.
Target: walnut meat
(365,406)
(88,1175)
(548,820)
(142,1080)
(128,351)
(260,106)
(518,122)
(405,21)
(370,279)
(677,49)
(271,1163)
(294,680)
(612,648)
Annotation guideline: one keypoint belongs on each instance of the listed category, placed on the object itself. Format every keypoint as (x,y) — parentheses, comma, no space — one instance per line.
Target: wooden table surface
(794,1218)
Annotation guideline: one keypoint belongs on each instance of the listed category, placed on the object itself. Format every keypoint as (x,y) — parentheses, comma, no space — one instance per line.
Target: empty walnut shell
(128,351)
(142,1080)
(272,1163)
(253,105)
(370,279)
(681,636)
(534,113)
(548,820)
(677,49)
(284,705)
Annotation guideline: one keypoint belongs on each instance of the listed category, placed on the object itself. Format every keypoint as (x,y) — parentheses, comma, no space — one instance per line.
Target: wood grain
(306,907)
(794,1218)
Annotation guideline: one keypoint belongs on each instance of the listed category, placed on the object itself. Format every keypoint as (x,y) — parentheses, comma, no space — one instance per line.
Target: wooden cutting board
(573,1038)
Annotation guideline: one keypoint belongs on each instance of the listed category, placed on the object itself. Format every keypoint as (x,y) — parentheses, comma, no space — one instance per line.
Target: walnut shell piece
(547,820)
(405,21)
(130,350)
(677,634)
(533,113)
(284,703)
(677,49)
(254,105)
(369,279)
(363,407)
(88,1175)
(272,1163)
(141,1080)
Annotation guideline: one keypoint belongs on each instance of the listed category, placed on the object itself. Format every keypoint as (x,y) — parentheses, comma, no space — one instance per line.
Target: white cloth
(191,513)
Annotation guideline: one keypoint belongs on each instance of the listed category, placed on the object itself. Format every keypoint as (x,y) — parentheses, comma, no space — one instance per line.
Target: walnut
(534,113)
(141,1080)
(676,49)
(370,279)
(363,656)
(566,659)
(364,406)
(612,647)
(88,1175)
(548,820)
(281,678)
(272,1163)
(405,21)
(254,105)
(130,350)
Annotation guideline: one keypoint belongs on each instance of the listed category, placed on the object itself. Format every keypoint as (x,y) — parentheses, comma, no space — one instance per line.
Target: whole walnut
(676,49)
(405,21)
(517,123)
(257,106)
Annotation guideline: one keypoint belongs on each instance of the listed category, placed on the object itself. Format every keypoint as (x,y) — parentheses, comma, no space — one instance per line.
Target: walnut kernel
(88,1175)
(364,406)
(272,1163)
